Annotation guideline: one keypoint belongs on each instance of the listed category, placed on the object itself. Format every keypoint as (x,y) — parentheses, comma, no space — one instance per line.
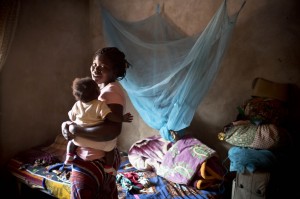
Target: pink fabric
(113,93)
(147,154)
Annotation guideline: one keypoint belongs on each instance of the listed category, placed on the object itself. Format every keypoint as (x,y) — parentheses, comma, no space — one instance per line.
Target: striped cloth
(89,180)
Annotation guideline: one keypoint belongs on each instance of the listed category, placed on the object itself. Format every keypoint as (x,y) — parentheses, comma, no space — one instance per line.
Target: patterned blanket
(160,188)
(44,170)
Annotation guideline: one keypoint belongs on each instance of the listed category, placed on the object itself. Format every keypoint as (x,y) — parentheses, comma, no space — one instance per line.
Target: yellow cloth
(59,190)
(209,177)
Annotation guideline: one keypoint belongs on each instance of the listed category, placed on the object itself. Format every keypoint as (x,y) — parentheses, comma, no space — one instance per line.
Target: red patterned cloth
(265,110)
(89,180)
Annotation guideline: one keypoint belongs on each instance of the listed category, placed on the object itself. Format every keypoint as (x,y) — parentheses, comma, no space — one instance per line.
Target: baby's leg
(71,150)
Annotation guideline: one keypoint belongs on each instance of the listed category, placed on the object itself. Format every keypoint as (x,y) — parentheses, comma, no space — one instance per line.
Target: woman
(89,178)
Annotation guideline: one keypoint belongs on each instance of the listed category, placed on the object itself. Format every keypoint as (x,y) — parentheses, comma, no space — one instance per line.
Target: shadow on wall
(294,110)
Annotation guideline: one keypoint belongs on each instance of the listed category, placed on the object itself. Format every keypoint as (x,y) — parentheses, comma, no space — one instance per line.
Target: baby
(89,111)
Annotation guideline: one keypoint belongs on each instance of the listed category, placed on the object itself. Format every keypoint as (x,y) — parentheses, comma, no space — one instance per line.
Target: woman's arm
(104,132)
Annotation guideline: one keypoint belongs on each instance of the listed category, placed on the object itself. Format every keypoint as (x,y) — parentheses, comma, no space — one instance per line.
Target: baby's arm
(127,117)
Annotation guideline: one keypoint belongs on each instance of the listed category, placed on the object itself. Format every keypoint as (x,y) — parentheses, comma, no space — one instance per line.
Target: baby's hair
(85,89)
(117,58)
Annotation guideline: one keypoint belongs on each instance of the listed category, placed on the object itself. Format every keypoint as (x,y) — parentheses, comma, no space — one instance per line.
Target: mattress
(42,169)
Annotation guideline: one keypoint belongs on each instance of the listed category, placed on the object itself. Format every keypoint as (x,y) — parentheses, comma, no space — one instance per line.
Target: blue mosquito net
(171,72)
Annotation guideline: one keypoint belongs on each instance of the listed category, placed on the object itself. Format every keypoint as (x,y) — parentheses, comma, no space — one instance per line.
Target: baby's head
(85,89)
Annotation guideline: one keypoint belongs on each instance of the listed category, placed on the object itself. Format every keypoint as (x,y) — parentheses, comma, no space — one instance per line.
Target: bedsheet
(42,169)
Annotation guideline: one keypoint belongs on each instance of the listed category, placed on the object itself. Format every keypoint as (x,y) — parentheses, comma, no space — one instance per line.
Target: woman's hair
(85,89)
(117,58)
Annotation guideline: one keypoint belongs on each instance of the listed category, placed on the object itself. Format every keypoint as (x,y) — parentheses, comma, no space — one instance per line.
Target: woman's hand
(66,132)
(103,132)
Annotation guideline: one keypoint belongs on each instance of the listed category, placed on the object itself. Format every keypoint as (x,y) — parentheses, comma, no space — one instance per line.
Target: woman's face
(102,70)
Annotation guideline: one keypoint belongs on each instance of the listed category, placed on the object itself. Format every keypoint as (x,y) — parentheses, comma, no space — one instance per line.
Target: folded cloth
(183,160)
(209,175)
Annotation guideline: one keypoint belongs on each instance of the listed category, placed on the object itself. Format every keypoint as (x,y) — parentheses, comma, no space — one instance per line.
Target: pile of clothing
(259,134)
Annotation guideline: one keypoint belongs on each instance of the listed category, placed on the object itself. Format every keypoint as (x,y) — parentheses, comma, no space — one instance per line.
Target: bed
(41,169)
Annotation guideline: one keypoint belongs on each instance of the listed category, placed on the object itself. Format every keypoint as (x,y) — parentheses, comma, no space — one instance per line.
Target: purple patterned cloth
(177,162)
(183,160)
